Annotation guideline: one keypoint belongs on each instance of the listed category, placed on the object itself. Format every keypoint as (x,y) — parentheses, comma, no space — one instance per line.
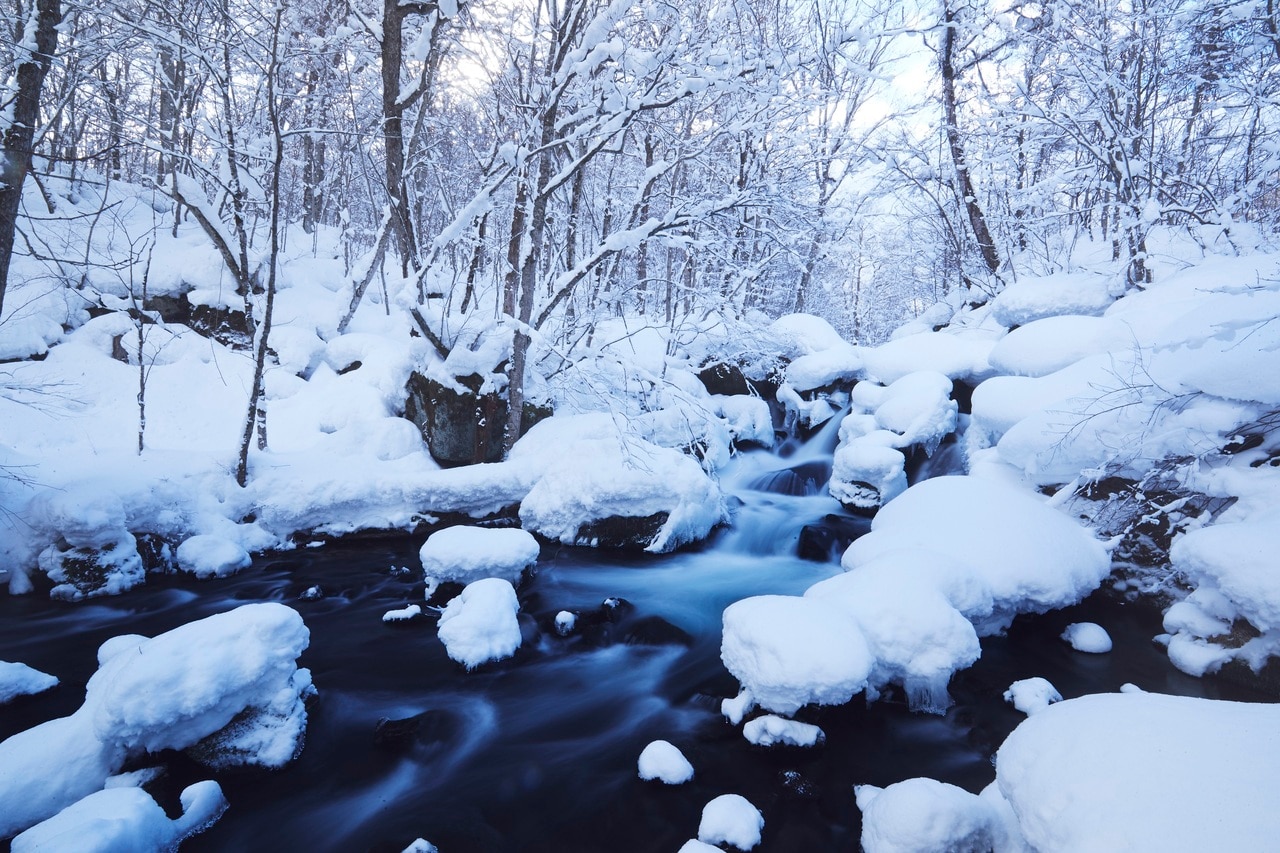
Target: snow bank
(923,816)
(662,761)
(18,679)
(173,691)
(480,625)
(124,820)
(1143,771)
(464,554)
(1045,346)
(731,819)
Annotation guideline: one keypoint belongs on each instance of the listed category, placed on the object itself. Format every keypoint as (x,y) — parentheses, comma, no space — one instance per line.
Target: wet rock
(806,478)
(467,427)
(396,735)
(87,572)
(156,553)
(724,379)
(225,325)
(797,787)
(311,593)
(656,631)
(628,533)
(825,541)
(172,307)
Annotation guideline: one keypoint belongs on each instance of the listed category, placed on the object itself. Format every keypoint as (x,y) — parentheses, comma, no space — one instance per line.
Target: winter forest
(793,425)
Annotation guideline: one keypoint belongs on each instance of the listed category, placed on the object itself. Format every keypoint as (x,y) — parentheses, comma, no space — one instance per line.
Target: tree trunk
(20,134)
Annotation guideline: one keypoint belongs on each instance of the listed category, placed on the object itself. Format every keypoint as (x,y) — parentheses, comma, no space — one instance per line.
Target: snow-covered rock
(1032,299)
(1143,771)
(1030,695)
(1087,637)
(663,761)
(770,730)
(208,556)
(18,679)
(124,820)
(923,816)
(174,691)
(731,819)
(963,357)
(480,625)
(464,554)
(789,652)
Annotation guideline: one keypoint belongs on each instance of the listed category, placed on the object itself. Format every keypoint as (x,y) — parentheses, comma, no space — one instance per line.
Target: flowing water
(539,752)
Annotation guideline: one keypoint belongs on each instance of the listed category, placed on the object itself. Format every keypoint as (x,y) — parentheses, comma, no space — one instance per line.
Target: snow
(797,335)
(923,816)
(959,357)
(839,363)
(566,621)
(789,652)
(480,625)
(169,692)
(421,845)
(747,417)
(18,679)
(770,730)
(1045,346)
(664,762)
(1087,637)
(124,820)
(1030,695)
(209,556)
(1144,771)
(404,614)
(1023,302)
(464,554)
(693,845)
(731,819)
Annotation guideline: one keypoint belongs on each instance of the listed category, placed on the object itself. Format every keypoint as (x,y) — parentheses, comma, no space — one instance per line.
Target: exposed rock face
(463,428)
(225,325)
(723,378)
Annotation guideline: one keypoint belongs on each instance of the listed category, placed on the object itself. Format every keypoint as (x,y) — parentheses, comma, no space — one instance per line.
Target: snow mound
(963,357)
(663,761)
(180,689)
(923,816)
(770,730)
(480,625)
(801,334)
(748,418)
(18,679)
(404,614)
(1026,301)
(464,554)
(1087,637)
(788,652)
(1032,694)
(731,819)
(1144,771)
(841,362)
(208,556)
(1045,346)
(124,820)
(1030,557)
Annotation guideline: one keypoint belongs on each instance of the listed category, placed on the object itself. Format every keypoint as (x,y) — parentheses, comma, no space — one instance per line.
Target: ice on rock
(924,816)
(1087,637)
(789,652)
(465,554)
(771,730)
(480,625)
(177,690)
(124,820)
(731,819)
(1144,771)
(18,679)
(209,556)
(664,762)
(1030,695)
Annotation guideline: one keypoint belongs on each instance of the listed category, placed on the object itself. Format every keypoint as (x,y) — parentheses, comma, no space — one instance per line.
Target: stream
(538,753)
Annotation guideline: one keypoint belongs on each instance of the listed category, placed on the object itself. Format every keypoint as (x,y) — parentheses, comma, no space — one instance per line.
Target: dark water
(539,752)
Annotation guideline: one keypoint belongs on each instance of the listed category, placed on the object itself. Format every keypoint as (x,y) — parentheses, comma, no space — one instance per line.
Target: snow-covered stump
(464,554)
(228,684)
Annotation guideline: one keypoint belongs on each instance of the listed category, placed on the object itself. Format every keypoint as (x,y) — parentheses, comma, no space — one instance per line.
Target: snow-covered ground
(1077,383)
